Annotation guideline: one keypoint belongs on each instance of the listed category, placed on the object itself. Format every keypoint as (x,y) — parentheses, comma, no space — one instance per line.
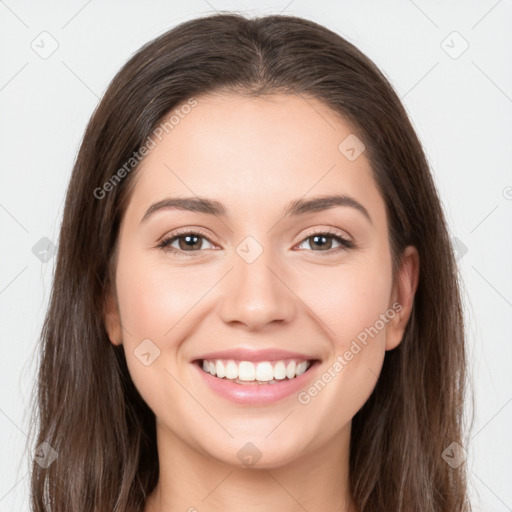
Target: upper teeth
(263,371)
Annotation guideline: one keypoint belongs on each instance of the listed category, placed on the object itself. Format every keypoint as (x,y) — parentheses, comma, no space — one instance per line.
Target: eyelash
(165,243)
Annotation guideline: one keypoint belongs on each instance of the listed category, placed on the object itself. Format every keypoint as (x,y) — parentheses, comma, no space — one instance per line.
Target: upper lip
(241,354)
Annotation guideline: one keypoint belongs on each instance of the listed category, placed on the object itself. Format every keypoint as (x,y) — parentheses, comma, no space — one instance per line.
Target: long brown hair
(88,409)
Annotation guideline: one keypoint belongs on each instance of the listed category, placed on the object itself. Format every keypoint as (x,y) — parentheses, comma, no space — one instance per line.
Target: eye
(324,239)
(188,242)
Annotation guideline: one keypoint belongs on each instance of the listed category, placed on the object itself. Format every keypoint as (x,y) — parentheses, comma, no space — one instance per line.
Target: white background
(461,108)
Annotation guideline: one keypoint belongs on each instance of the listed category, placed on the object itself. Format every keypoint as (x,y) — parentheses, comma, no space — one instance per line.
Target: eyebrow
(294,208)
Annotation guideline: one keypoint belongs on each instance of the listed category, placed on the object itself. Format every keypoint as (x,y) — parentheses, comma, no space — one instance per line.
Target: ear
(402,296)
(112,319)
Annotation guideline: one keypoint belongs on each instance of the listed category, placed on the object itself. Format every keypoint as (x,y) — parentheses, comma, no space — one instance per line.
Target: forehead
(254,152)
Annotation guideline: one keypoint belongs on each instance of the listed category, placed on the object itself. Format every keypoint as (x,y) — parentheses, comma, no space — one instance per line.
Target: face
(249,281)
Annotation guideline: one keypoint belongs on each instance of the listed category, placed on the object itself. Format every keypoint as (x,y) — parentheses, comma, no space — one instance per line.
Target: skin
(255,156)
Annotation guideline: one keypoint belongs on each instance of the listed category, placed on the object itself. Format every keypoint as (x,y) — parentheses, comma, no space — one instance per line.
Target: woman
(198,352)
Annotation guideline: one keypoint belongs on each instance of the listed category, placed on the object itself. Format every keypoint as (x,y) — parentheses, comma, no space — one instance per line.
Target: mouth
(252,373)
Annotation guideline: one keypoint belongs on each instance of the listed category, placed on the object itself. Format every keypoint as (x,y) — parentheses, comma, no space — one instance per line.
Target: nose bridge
(256,294)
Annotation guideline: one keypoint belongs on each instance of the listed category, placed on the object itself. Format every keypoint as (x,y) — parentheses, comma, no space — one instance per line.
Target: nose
(256,294)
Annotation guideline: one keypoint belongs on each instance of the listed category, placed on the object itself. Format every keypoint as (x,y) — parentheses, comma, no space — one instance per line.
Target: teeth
(280,370)
(261,372)
(246,371)
(264,372)
(290,369)
(231,370)
(301,368)
(220,369)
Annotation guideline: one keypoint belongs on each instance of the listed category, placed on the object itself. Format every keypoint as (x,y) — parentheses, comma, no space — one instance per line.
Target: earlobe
(404,290)
(112,319)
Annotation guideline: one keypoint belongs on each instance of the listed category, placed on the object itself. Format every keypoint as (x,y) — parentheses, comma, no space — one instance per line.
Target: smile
(252,383)
(262,373)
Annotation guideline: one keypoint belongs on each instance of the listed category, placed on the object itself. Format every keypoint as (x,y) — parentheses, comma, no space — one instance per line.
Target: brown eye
(188,242)
(324,241)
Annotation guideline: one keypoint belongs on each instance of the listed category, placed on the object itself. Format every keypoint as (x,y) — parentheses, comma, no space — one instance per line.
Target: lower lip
(255,393)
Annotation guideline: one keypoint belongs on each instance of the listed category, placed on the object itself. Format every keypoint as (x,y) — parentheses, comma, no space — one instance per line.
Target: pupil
(316,237)
(188,239)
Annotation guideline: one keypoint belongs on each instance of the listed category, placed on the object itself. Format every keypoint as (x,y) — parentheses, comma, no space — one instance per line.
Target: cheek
(149,307)
(157,302)
(153,299)
(354,309)
(352,298)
